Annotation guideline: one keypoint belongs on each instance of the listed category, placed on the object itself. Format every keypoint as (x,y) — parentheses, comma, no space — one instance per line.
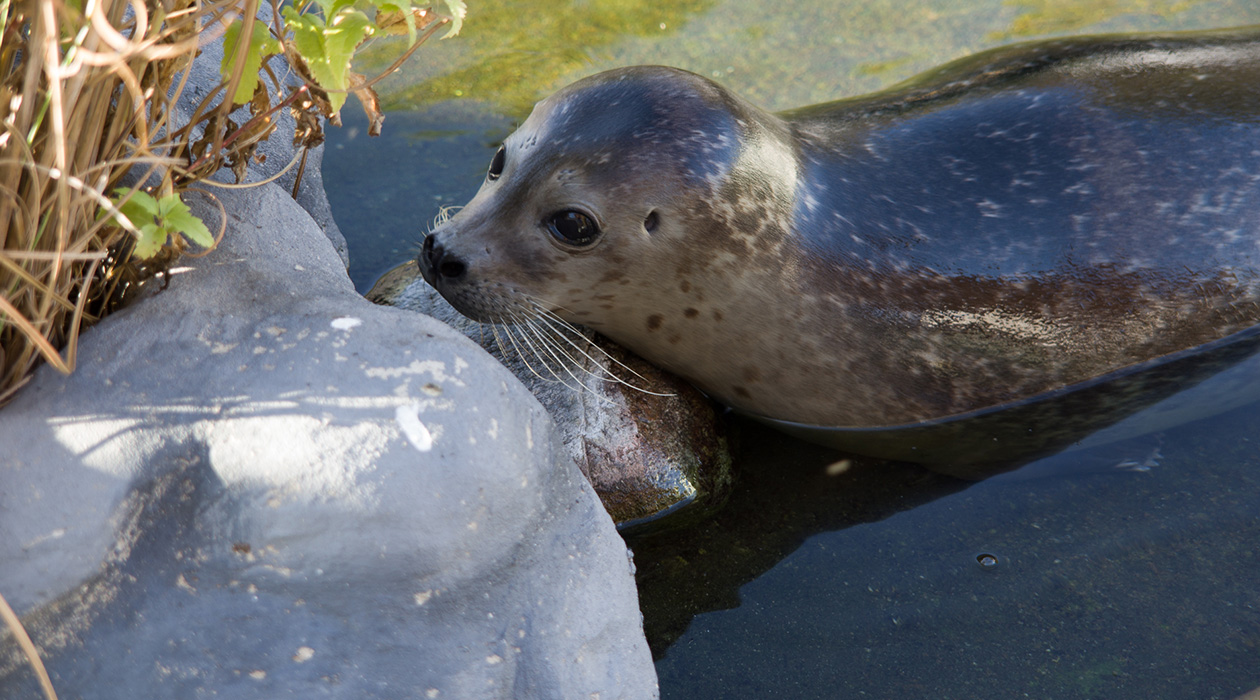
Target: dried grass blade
(46,349)
(28,648)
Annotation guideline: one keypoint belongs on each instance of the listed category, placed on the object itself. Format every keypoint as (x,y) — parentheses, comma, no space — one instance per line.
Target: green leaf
(328,48)
(151,239)
(157,219)
(454,10)
(261,44)
(141,210)
(332,7)
(176,216)
(337,6)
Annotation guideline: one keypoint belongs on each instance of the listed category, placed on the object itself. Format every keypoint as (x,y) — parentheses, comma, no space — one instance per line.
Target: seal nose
(436,262)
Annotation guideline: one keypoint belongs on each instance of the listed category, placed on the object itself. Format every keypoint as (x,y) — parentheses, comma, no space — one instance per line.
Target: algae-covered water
(1070,578)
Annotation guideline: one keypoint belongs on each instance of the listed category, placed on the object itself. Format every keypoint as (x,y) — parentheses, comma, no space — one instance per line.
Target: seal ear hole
(573,227)
(652,221)
(496,164)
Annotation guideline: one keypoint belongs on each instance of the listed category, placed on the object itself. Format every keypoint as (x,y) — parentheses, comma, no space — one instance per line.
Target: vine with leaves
(318,39)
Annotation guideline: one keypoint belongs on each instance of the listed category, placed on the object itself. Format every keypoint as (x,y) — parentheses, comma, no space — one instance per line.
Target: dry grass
(28,648)
(86,96)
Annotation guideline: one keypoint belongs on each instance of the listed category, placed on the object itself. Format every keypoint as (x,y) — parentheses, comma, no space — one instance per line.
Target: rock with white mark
(257,484)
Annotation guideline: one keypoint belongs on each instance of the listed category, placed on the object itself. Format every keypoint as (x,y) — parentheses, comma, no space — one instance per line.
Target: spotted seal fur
(1014,223)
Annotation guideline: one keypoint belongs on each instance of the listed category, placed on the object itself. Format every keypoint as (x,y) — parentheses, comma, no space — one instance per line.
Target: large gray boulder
(257,484)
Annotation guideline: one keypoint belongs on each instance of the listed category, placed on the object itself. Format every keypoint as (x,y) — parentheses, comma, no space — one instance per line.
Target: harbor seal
(1007,226)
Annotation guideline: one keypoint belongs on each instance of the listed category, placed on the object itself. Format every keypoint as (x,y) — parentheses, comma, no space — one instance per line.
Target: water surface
(1070,578)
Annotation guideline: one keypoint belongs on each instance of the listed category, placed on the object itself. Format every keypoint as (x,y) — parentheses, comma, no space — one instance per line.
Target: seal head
(601,188)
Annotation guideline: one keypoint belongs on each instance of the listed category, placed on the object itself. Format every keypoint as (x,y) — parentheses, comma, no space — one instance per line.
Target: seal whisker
(546,336)
(498,342)
(523,328)
(605,374)
(527,328)
(553,348)
(526,348)
(558,325)
(563,329)
(557,352)
(507,330)
(444,214)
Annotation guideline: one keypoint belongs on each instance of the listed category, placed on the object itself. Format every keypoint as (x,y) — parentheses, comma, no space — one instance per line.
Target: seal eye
(572,227)
(496,164)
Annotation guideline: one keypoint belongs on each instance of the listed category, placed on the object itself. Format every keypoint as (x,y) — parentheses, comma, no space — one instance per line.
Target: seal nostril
(436,262)
(452,269)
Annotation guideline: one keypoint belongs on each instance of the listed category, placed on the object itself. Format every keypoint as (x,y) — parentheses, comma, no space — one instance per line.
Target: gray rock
(258,484)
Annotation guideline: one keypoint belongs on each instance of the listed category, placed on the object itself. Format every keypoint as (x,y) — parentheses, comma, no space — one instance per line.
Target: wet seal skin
(991,234)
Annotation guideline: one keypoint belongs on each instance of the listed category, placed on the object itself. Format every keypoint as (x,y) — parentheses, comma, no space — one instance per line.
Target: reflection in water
(523,48)
(1042,17)
(1092,551)
(784,495)
(790,491)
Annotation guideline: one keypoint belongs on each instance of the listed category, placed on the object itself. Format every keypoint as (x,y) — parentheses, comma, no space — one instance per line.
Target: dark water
(1072,580)
(1140,581)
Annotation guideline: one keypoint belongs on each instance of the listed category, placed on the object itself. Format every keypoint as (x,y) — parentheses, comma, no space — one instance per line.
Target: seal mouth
(495,304)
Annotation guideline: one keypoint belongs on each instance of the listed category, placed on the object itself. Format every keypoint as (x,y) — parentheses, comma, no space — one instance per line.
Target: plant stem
(244,128)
